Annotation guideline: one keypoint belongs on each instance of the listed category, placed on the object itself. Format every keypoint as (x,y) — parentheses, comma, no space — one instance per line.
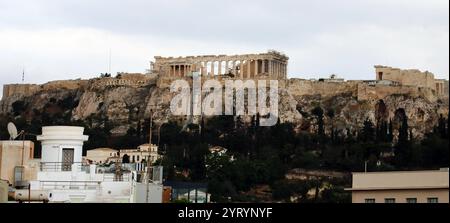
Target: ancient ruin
(271,65)
(411,77)
(127,98)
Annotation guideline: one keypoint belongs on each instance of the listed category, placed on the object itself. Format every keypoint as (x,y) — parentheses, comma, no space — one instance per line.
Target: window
(433,200)
(411,200)
(138,158)
(370,201)
(389,200)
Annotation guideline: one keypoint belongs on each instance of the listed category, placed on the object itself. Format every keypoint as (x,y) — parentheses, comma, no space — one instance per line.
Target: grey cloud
(322,37)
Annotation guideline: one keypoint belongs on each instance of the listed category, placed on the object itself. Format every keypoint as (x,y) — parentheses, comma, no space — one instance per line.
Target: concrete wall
(13,154)
(401,185)
(3,191)
(400,196)
(401,179)
(140,193)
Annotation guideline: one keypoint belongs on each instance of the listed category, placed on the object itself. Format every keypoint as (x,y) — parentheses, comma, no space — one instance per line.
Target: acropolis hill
(126,99)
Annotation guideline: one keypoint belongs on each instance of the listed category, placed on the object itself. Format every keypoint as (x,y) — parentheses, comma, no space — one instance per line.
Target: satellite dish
(12,130)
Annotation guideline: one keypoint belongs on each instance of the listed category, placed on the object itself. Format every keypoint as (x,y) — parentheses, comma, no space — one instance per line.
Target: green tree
(403,149)
(318,112)
(368,131)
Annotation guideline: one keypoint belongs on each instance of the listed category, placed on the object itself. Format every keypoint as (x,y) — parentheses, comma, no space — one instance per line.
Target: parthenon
(271,65)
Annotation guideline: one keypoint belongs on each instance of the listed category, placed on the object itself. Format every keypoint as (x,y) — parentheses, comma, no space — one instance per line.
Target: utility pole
(148,157)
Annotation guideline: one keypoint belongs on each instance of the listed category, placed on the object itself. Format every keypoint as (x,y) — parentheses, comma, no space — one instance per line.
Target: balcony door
(67,159)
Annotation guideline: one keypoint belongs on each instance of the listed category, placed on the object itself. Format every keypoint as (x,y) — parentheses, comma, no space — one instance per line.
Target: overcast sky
(71,39)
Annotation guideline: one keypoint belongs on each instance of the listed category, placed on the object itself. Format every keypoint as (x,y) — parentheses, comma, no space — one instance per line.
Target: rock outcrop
(127,100)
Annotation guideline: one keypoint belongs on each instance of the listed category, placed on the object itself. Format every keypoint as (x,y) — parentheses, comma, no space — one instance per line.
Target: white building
(63,177)
(141,153)
(61,146)
(102,155)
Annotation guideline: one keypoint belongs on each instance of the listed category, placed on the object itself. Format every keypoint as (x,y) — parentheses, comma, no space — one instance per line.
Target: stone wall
(123,79)
(376,92)
(299,87)
(411,77)
(362,90)
(64,84)
(19,89)
(30,89)
(126,79)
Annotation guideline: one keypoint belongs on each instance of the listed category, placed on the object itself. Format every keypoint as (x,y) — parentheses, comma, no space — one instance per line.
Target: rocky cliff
(126,101)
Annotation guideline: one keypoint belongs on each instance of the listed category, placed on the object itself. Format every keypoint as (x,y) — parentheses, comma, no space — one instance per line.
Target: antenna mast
(109,66)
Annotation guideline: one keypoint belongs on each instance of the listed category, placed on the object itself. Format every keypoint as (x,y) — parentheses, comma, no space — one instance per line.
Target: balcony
(63,167)
(70,185)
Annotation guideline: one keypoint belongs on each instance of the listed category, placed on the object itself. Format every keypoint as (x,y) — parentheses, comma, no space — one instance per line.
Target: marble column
(256,68)
(285,70)
(249,68)
(212,69)
(279,69)
(233,68)
(269,62)
(276,69)
(204,64)
(241,71)
(263,66)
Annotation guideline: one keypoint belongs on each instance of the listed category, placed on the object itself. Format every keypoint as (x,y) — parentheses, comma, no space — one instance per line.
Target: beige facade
(401,187)
(406,77)
(3,191)
(141,153)
(101,155)
(14,155)
(271,65)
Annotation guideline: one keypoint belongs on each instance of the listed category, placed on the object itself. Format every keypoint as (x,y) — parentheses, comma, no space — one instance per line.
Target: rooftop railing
(63,167)
(70,185)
